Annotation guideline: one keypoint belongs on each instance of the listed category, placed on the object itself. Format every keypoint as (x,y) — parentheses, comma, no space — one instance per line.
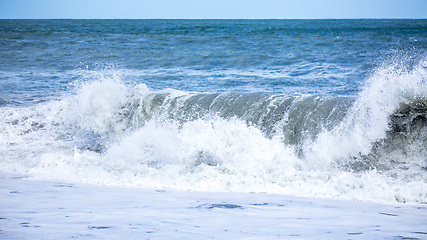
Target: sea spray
(110,133)
(372,118)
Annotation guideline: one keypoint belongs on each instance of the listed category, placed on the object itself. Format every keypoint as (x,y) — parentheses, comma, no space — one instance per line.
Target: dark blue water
(329,108)
(40,58)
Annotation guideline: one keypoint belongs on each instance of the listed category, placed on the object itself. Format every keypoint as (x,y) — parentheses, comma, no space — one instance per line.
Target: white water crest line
(368,120)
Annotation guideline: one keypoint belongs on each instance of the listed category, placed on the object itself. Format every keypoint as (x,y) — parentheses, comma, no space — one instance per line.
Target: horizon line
(395,18)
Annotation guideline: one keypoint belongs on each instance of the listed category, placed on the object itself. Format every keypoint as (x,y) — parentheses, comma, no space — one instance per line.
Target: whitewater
(174,129)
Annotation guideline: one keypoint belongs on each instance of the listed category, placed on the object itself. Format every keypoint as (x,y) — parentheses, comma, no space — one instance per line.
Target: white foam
(56,140)
(367,121)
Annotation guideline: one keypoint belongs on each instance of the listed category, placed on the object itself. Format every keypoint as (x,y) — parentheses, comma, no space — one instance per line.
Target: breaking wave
(372,148)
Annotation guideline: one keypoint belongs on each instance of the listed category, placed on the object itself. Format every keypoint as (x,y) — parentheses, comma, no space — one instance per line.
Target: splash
(372,148)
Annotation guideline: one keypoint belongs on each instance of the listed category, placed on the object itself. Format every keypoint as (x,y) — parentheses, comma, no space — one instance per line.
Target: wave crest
(369,148)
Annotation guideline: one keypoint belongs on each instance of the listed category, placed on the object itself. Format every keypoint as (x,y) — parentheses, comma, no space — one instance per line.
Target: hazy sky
(188,9)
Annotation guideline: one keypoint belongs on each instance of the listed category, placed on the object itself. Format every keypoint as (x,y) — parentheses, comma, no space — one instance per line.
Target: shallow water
(60,210)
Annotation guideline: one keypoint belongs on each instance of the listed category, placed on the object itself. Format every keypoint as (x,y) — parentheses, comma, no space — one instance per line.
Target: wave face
(370,148)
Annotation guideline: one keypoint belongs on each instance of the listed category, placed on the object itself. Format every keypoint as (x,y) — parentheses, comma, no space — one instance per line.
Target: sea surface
(331,109)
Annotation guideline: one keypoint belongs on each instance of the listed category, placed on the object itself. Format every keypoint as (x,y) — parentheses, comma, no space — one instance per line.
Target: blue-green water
(328,57)
(331,108)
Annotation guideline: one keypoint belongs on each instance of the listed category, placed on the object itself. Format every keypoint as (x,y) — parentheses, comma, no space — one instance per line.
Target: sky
(211,9)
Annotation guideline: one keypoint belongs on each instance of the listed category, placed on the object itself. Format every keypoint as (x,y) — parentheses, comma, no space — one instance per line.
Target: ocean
(311,109)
